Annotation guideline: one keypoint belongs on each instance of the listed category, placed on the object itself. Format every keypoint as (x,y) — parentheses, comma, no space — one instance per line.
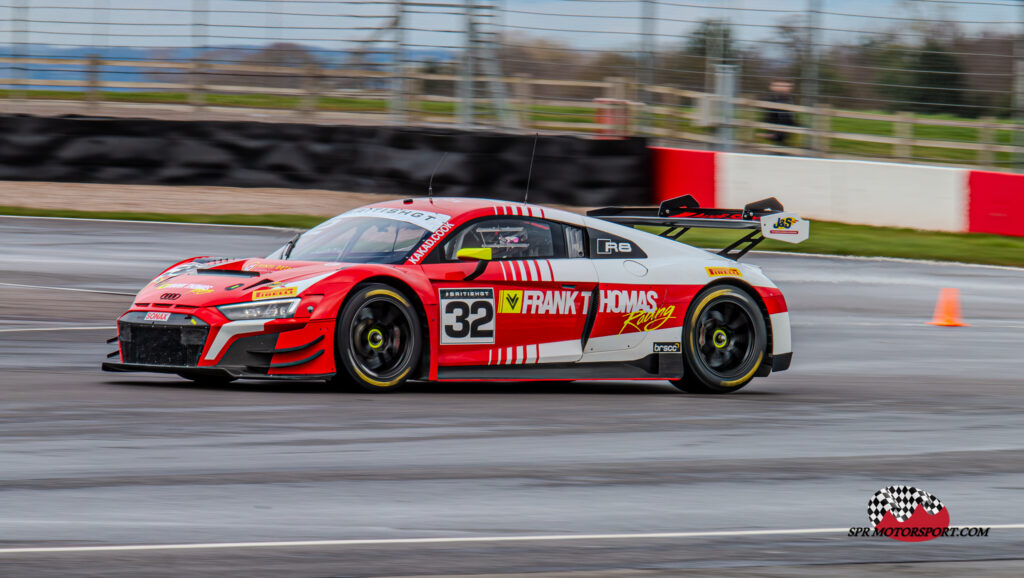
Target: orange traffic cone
(947,310)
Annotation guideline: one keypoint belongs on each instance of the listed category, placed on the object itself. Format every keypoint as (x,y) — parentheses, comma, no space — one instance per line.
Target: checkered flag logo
(901,501)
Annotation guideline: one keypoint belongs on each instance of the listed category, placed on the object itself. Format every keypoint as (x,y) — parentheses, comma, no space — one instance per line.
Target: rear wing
(766,218)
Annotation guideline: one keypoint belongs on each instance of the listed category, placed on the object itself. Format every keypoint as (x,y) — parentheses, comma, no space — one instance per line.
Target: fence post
(987,138)
(903,129)
(311,89)
(400,84)
(200,13)
(197,90)
(822,139)
(92,76)
(524,97)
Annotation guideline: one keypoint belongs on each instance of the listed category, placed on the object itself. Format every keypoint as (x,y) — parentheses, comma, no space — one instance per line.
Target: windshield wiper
(290,245)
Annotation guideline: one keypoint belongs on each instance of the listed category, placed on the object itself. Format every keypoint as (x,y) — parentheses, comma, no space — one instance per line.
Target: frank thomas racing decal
(642,310)
(555,302)
(467,316)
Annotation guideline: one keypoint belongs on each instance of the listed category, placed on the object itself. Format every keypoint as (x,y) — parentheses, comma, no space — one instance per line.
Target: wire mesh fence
(921,80)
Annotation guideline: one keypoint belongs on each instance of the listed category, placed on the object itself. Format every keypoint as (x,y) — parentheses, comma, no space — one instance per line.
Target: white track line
(23,286)
(154,222)
(89,328)
(451,540)
(887,259)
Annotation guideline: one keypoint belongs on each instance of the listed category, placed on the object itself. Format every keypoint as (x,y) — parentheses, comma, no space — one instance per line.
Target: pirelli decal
(723,272)
(275,293)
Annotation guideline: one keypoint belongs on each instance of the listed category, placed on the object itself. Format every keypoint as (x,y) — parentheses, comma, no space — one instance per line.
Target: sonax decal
(274,293)
(157,316)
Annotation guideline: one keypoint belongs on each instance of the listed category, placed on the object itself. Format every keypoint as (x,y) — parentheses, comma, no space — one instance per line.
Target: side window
(575,245)
(510,238)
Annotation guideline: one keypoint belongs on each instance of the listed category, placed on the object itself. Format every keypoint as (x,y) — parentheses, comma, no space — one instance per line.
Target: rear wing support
(764,219)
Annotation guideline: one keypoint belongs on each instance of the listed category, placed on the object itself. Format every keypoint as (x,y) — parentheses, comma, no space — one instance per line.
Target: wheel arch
(756,296)
(423,369)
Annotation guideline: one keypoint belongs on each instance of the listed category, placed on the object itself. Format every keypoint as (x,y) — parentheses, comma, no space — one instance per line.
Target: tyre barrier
(375,159)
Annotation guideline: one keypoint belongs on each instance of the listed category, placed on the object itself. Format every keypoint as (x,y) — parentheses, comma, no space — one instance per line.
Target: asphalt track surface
(875,396)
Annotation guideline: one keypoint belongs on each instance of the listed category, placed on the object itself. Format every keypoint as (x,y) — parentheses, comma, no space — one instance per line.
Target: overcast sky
(586,24)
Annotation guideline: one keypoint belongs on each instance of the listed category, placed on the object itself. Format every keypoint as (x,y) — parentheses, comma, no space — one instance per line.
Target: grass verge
(826,237)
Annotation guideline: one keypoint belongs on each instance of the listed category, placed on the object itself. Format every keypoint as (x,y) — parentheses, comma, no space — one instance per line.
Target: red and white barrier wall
(859,192)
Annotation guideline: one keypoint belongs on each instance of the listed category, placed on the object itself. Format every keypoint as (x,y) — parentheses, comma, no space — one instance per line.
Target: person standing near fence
(781,93)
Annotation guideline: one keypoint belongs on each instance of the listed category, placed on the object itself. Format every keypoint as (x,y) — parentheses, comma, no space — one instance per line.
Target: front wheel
(379,338)
(724,341)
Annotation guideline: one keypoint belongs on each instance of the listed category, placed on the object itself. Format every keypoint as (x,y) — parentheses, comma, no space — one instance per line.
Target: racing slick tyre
(724,341)
(379,339)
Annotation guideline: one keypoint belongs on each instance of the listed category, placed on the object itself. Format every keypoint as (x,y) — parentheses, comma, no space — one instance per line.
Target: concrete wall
(860,192)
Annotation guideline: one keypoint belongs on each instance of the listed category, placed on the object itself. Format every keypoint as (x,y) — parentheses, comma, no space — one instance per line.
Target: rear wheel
(724,341)
(379,338)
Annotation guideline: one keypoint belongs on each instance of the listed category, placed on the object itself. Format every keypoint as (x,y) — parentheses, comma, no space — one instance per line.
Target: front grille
(178,340)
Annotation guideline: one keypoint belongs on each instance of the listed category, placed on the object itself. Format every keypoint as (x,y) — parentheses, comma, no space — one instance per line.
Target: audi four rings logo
(170,296)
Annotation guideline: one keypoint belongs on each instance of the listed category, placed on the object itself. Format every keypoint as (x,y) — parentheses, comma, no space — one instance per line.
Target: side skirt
(654,366)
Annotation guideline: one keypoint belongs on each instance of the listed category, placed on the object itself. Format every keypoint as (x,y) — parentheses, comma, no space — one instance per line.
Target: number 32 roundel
(467,315)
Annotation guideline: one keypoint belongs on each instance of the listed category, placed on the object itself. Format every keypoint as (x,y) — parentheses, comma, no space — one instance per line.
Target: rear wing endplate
(766,219)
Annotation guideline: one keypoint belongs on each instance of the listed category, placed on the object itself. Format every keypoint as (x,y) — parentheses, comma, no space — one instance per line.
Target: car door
(526,304)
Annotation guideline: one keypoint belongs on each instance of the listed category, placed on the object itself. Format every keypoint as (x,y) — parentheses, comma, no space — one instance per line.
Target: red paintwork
(678,172)
(624,309)
(993,202)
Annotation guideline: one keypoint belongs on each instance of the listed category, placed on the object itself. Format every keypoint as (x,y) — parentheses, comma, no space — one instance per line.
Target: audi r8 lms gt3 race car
(473,289)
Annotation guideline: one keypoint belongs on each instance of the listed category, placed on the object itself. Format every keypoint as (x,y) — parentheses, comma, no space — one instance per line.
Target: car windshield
(357,240)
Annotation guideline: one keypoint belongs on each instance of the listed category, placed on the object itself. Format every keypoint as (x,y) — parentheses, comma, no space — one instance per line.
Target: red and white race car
(472,289)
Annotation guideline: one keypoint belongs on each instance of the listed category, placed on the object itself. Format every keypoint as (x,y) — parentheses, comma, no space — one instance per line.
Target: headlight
(275,309)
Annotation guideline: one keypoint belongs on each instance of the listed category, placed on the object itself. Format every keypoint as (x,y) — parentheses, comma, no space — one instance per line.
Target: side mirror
(474,254)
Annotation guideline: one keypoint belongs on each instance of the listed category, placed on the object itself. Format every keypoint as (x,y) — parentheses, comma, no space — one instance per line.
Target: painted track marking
(83,328)
(24,286)
(453,540)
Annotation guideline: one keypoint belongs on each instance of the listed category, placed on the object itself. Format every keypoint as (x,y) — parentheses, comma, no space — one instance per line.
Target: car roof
(462,209)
